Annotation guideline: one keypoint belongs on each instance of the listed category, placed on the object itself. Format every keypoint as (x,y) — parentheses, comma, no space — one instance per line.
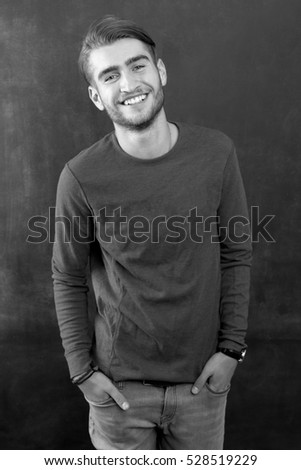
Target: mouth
(134,100)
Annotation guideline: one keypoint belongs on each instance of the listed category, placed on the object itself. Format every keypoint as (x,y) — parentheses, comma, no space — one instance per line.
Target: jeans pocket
(109,401)
(216,392)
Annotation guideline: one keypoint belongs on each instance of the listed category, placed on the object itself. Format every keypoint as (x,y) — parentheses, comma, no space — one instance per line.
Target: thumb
(118,397)
(200,382)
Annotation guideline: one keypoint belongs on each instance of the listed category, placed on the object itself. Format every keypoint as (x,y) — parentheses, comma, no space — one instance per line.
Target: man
(156,212)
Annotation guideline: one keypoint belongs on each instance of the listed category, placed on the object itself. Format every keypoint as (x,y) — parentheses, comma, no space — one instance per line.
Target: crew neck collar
(149,160)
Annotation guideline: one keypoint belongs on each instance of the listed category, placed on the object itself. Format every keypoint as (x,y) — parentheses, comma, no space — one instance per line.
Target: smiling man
(110,90)
(155,213)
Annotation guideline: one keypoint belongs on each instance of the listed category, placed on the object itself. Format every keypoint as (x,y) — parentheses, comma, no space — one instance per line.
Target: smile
(135,100)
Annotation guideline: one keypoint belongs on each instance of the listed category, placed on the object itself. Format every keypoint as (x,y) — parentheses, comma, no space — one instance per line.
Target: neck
(148,143)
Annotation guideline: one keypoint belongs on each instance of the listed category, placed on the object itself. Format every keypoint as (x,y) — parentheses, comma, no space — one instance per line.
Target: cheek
(109,97)
(158,80)
(151,81)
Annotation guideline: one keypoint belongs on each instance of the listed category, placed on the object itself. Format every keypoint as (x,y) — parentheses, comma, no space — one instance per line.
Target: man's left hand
(218,372)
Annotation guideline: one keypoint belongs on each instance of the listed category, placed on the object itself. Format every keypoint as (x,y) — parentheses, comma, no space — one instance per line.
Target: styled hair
(106,31)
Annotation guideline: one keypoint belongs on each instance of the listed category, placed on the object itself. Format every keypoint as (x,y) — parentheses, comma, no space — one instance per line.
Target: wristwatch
(238,355)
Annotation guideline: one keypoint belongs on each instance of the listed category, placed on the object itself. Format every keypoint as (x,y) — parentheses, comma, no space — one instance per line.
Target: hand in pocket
(98,389)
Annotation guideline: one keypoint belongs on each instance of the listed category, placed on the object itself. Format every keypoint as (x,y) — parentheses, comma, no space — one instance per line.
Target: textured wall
(233,65)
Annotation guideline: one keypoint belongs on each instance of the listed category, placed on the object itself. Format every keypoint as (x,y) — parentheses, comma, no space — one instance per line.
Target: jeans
(160,417)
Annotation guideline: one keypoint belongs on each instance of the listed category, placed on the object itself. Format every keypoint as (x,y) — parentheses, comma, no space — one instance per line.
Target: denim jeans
(160,417)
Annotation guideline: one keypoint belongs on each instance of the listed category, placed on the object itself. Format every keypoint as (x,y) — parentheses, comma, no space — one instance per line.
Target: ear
(95,98)
(162,72)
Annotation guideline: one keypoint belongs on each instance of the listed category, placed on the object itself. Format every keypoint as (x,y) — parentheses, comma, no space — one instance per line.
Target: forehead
(116,54)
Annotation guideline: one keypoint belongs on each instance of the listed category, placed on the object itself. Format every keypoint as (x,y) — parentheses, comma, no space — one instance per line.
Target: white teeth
(135,100)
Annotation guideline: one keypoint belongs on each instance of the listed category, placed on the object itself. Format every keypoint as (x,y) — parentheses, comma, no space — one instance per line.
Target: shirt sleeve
(74,233)
(236,256)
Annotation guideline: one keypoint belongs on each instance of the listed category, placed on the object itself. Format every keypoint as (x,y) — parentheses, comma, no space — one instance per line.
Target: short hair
(106,31)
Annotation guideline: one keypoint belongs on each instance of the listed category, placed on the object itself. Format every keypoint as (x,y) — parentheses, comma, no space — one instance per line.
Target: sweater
(166,243)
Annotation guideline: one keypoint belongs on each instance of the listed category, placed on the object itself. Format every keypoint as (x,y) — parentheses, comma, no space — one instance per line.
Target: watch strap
(238,355)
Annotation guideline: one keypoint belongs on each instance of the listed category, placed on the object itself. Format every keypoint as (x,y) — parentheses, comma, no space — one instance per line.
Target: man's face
(127,83)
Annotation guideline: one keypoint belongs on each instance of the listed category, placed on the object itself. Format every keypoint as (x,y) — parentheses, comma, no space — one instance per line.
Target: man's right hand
(98,388)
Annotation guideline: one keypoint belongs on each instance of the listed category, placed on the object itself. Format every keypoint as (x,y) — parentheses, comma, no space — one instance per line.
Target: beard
(142,120)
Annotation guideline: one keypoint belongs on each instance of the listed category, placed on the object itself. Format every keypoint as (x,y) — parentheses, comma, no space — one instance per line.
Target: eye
(138,67)
(111,77)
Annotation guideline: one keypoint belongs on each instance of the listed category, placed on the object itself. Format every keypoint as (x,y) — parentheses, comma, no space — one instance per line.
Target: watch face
(242,355)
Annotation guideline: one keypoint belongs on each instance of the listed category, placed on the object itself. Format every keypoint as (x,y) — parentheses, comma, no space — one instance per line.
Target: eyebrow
(130,61)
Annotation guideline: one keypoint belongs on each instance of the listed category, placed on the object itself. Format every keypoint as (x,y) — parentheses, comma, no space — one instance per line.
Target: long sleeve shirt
(166,242)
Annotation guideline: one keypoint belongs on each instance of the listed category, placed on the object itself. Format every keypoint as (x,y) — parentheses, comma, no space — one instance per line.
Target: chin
(141,122)
(145,124)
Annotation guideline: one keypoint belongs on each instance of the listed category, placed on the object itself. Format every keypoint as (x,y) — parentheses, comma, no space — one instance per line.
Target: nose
(127,82)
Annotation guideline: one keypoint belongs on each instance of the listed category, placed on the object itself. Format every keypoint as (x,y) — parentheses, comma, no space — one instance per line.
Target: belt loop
(118,384)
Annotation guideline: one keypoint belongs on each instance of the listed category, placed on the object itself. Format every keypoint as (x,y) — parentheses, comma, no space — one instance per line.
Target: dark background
(233,65)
